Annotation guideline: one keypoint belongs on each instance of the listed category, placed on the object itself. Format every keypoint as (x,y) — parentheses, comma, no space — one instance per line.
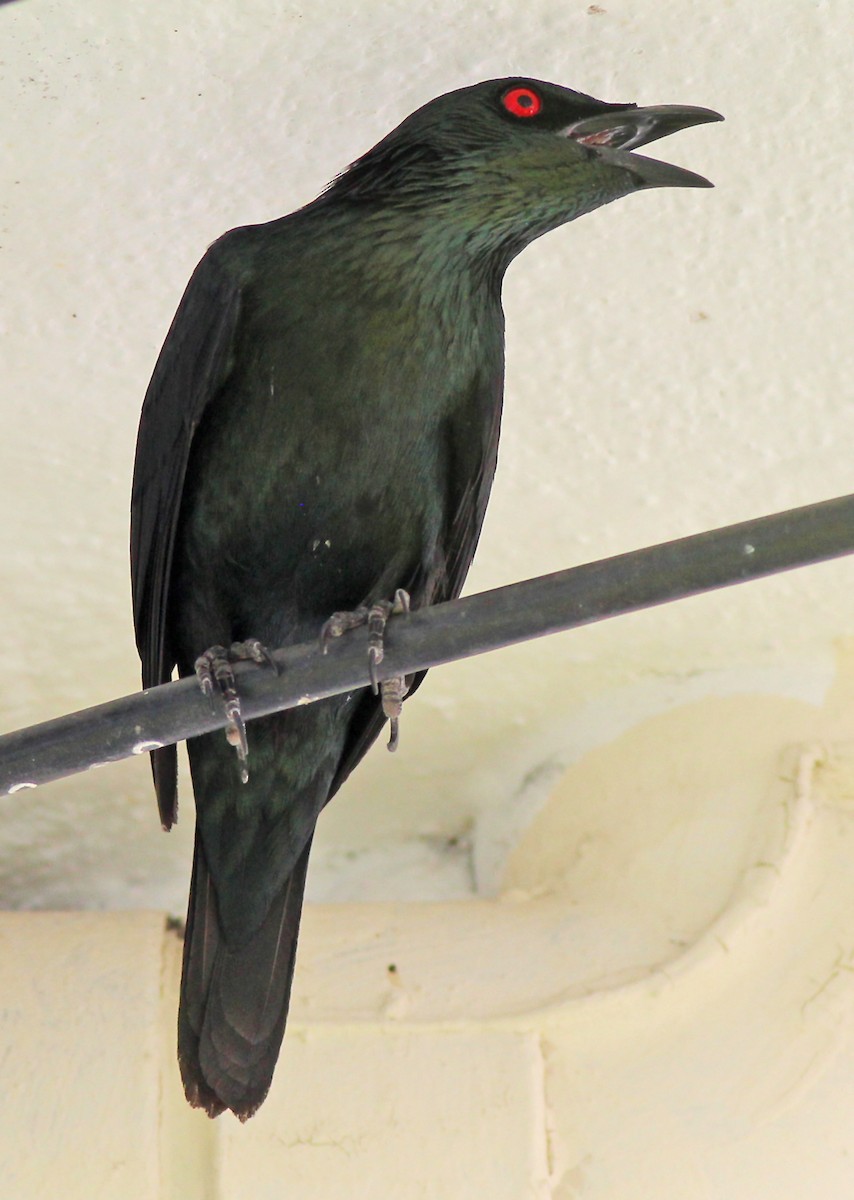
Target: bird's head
(505,161)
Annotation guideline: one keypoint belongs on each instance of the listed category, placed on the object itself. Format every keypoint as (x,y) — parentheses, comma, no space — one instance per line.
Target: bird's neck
(469,217)
(409,258)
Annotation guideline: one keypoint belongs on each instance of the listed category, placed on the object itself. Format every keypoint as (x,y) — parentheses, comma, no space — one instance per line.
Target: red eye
(522,102)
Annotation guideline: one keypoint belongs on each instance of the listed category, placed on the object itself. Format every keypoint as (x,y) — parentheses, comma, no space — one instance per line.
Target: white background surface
(676,361)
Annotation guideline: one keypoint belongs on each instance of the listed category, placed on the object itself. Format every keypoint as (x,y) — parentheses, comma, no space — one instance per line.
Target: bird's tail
(234,1002)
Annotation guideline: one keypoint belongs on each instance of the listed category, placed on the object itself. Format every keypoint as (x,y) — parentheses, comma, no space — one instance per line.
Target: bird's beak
(611,135)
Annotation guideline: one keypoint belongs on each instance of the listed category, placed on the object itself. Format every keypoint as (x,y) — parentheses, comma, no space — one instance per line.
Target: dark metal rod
(439,634)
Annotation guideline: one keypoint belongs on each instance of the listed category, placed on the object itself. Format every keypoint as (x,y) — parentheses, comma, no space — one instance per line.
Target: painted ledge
(670,1016)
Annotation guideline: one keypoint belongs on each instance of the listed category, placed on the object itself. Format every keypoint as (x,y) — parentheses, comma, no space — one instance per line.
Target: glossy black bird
(320,430)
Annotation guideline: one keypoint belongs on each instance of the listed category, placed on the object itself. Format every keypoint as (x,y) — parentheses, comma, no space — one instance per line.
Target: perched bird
(321,431)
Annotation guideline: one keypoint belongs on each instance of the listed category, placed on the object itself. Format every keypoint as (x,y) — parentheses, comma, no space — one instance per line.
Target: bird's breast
(320,477)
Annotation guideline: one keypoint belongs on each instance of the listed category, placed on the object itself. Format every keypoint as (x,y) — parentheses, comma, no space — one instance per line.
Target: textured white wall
(675,361)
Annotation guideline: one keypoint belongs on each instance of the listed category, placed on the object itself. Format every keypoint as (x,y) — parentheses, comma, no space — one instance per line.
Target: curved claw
(252,651)
(235,731)
(235,735)
(376,618)
(393,691)
(339,623)
(216,679)
(205,667)
(375,657)
(329,630)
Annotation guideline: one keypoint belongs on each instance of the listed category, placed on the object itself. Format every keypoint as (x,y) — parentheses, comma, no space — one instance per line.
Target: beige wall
(667,1015)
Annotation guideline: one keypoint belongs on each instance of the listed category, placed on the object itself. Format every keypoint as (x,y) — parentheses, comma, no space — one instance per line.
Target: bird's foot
(216,677)
(376,617)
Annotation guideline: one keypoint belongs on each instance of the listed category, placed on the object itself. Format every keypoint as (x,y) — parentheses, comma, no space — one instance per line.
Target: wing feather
(193,365)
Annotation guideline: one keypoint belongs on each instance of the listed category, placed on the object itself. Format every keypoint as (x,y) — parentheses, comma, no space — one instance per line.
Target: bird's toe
(215,673)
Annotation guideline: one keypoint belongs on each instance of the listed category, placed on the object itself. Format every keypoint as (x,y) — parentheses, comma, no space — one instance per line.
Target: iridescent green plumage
(320,430)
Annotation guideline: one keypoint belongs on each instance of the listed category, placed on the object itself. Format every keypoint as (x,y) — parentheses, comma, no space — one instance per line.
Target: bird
(319,436)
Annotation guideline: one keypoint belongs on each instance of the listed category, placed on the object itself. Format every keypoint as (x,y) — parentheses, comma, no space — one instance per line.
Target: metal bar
(435,635)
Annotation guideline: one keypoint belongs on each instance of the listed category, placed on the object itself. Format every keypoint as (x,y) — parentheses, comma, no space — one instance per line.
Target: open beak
(612,135)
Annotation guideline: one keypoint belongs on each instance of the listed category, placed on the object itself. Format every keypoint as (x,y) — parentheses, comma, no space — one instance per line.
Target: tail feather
(164,768)
(234,999)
